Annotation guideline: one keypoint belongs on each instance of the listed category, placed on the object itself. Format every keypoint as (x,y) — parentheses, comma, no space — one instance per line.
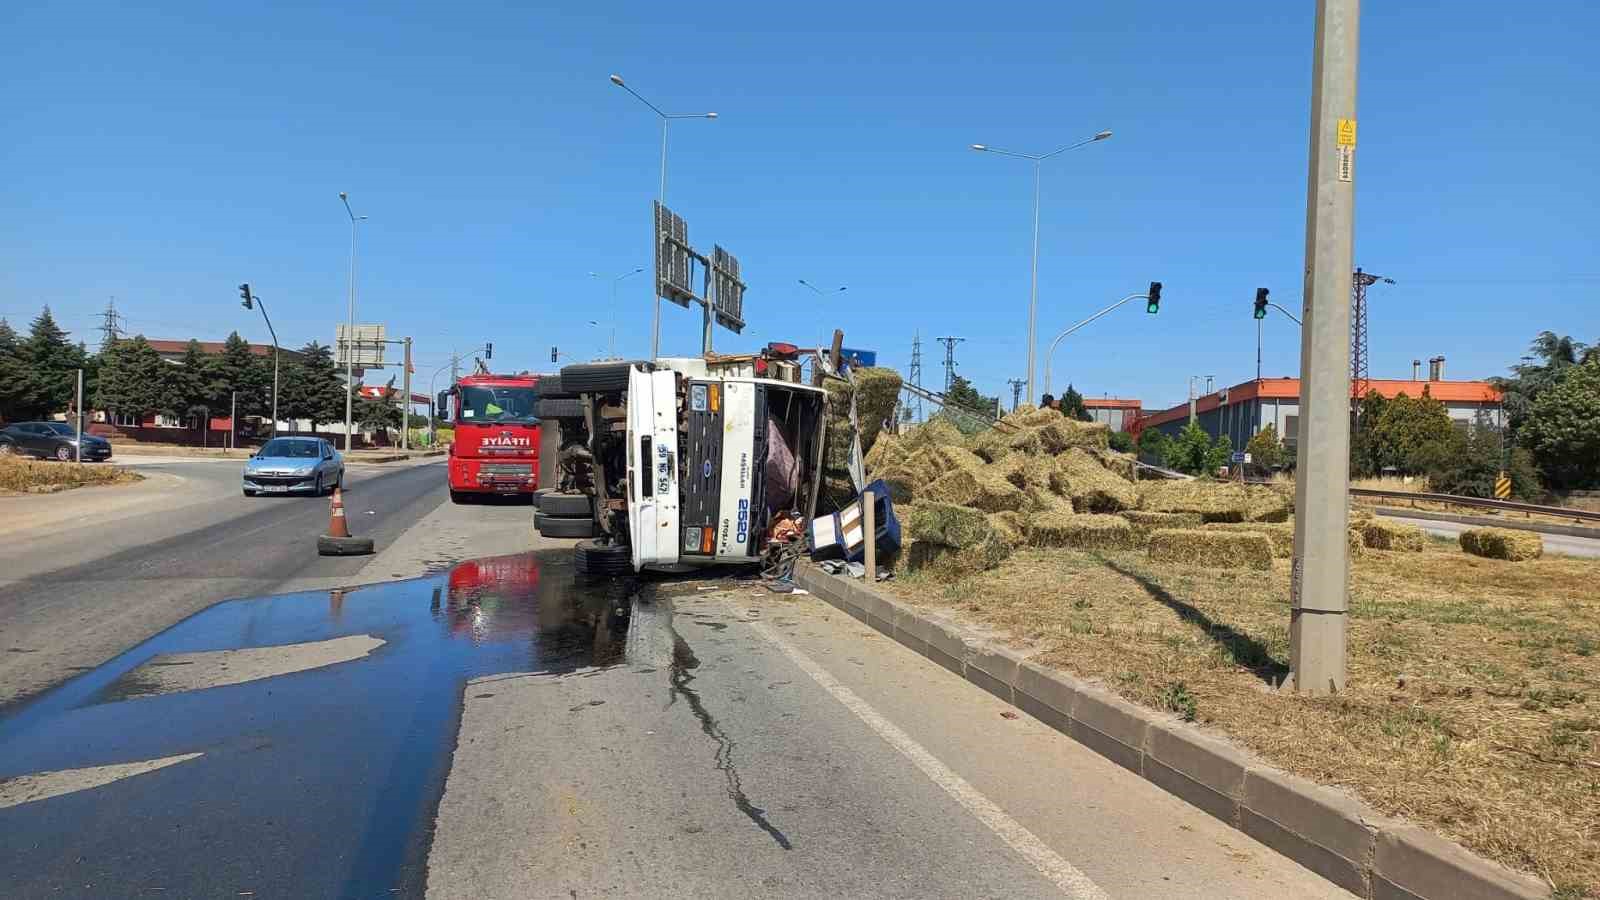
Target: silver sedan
(294,465)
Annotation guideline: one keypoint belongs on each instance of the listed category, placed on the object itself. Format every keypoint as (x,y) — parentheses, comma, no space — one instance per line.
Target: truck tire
(594,558)
(565,506)
(549,387)
(596,378)
(559,409)
(550,526)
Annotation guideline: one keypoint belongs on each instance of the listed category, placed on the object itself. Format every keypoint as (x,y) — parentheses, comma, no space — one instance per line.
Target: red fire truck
(496,447)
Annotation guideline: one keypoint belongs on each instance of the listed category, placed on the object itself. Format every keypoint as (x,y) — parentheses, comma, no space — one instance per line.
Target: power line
(110,327)
(949,359)
(1016,390)
(914,373)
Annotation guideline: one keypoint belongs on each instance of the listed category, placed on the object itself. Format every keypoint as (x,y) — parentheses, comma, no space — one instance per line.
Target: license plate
(276,488)
(506,488)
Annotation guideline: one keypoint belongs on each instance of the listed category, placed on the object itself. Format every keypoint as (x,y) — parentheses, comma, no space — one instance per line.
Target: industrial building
(1118,413)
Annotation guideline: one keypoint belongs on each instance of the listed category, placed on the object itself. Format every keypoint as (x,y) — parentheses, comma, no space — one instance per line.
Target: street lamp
(822,339)
(350,328)
(1033,296)
(614,281)
(666,119)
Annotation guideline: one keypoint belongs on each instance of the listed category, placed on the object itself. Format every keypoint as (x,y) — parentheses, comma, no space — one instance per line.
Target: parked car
(292,465)
(51,440)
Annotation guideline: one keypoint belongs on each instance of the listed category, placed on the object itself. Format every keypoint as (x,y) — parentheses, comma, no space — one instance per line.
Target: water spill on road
(317,783)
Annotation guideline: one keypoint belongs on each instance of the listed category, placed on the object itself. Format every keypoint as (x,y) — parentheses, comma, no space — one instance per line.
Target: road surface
(86,574)
(490,731)
(1553,543)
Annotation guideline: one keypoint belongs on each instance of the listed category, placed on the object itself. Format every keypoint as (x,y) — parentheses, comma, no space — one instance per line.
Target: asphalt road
(76,591)
(1553,543)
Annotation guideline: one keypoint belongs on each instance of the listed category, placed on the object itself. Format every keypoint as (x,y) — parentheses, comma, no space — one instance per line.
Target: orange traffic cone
(337,526)
(338,542)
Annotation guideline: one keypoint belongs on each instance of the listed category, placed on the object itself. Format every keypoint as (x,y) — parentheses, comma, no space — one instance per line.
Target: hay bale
(1263,504)
(1381,535)
(1025,471)
(1118,464)
(1357,544)
(947,524)
(955,563)
(1280,534)
(1080,476)
(1026,441)
(1039,499)
(979,489)
(1060,528)
(1215,501)
(887,451)
(1028,416)
(1145,522)
(1211,549)
(877,394)
(990,444)
(1009,526)
(903,483)
(1502,543)
(932,433)
(1063,433)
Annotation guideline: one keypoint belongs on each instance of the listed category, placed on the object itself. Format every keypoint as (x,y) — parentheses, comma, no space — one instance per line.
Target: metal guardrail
(1505,505)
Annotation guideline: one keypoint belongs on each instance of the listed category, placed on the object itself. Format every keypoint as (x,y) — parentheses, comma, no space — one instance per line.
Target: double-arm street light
(350,328)
(666,119)
(1033,296)
(822,340)
(615,280)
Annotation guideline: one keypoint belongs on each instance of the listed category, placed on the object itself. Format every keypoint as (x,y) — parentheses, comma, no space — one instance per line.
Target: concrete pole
(1319,581)
(77,418)
(405,405)
(869,526)
(233,422)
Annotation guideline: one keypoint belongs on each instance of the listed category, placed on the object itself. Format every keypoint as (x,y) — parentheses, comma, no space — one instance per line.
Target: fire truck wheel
(550,526)
(596,378)
(559,409)
(551,388)
(594,558)
(459,497)
(565,506)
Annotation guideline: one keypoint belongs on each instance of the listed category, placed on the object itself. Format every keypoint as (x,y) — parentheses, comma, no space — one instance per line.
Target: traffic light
(1261,303)
(244,296)
(1153,298)
(488,351)
(553,354)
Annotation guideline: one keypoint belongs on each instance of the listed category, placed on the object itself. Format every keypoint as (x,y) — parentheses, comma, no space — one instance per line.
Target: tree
(311,388)
(1220,454)
(134,379)
(189,389)
(377,414)
(11,373)
(1472,471)
(962,398)
(1187,452)
(1153,445)
(1072,406)
(1552,355)
(1364,455)
(1414,435)
(1563,429)
(1265,449)
(1122,442)
(49,368)
(237,369)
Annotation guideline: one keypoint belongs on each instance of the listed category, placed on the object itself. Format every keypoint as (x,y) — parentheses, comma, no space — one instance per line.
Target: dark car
(51,440)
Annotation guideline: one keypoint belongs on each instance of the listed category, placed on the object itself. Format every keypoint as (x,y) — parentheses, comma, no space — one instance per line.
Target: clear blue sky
(164,157)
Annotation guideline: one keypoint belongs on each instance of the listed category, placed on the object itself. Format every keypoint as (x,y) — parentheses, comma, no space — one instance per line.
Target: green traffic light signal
(1261,303)
(1153,298)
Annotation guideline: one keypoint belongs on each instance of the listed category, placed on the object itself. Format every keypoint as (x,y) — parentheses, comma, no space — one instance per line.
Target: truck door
(653,467)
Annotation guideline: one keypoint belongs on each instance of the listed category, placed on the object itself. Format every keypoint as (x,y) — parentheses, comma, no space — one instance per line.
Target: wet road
(319,783)
(76,593)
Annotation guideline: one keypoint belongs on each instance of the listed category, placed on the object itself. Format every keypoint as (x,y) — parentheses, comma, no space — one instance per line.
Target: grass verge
(1473,702)
(33,476)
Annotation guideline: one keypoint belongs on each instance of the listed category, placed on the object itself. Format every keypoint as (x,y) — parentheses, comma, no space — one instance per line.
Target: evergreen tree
(312,389)
(237,369)
(1072,406)
(1219,454)
(1563,428)
(1153,445)
(135,380)
(378,414)
(189,385)
(1265,450)
(11,373)
(50,364)
(1472,471)
(1414,435)
(1187,452)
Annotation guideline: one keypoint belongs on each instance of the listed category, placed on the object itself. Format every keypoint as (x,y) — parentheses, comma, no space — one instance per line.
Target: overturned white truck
(683,462)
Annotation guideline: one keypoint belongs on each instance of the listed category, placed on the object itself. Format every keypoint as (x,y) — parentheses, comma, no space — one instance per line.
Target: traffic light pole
(1318,584)
(1050,354)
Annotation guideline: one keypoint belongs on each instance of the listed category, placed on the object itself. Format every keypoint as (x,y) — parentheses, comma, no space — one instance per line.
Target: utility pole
(233,422)
(77,418)
(914,375)
(1359,373)
(949,359)
(1319,578)
(405,405)
(1016,391)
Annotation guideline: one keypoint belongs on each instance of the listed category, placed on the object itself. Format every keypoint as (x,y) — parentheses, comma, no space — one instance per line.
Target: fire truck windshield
(496,404)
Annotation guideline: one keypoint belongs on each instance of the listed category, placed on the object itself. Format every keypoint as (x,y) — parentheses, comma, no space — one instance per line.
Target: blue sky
(165,156)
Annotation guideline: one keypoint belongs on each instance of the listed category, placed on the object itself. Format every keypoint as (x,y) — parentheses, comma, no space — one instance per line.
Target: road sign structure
(1502,487)
(727,289)
(722,292)
(367,345)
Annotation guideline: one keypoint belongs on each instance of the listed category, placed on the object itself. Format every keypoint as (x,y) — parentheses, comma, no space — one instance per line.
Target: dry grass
(1502,543)
(1415,485)
(34,476)
(1473,701)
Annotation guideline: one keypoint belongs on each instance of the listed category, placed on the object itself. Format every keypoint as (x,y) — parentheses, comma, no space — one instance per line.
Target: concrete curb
(1491,522)
(1328,832)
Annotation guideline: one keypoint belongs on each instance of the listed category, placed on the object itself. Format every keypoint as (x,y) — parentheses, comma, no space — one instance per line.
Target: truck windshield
(496,404)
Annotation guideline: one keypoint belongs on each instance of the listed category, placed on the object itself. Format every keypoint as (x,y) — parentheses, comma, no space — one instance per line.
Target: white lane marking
(44,785)
(1063,874)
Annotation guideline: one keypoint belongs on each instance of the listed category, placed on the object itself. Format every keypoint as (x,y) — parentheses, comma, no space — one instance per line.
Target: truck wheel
(565,506)
(459,497)
(594,558)
(596,378)
(549,387)
(559,409)
(550,526)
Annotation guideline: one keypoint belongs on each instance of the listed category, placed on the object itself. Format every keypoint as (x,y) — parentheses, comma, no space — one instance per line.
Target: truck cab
(697,462)
(496,446)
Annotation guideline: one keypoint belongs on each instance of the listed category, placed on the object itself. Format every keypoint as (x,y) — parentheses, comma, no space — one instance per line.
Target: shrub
(1121,441)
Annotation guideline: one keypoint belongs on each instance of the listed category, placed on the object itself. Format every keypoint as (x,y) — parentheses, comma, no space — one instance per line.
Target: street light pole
(1051,354)
(1033,291)
(350,328)
(1318,585)
(666,119)
(614,282)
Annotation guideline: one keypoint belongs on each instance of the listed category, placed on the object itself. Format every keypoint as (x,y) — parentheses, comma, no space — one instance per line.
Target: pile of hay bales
(1279,534)
(1211,548)
(1380,535)
(1502,543)
(1042,480)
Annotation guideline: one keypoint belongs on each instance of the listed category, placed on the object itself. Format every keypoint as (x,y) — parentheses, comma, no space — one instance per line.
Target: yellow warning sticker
(1347,132)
